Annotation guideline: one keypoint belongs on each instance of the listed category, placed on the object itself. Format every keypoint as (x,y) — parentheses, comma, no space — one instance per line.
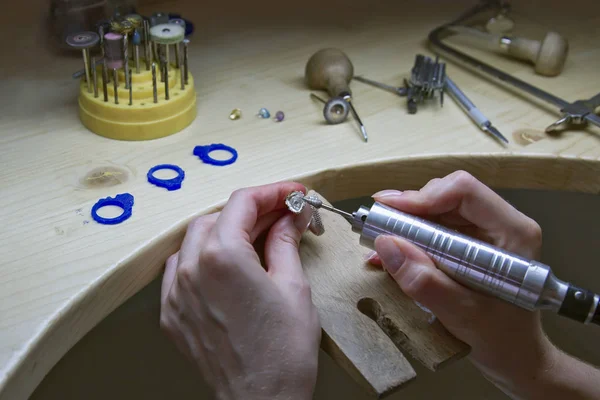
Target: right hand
(507,343)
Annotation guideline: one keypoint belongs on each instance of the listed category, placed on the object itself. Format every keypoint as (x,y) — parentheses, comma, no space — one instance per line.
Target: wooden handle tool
(331,70)
(548,55)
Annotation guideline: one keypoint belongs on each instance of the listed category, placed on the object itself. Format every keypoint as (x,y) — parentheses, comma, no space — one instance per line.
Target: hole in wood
(372,309)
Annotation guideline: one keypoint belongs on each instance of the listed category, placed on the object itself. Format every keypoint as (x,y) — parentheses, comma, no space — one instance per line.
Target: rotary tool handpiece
(476,264)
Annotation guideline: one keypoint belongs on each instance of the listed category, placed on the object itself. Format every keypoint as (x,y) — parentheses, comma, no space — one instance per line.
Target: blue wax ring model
(169,184)
(203,152)
(124,200)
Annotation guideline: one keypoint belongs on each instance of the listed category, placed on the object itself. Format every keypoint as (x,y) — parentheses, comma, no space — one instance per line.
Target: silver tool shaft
(166,75)
(177,59)
(473,112)
(314,96)
(154,84)
(116,85)
(105,79)
(400,91)
(101,34)
(86,65)
(130,90)
(167,57)
(126,59)
(147,49)
(362,126)
(180,65)
(526,283)
(95,77)
(136,55)
(185,59)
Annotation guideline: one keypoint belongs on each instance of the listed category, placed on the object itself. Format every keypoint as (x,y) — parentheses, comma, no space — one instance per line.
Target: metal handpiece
(476,264)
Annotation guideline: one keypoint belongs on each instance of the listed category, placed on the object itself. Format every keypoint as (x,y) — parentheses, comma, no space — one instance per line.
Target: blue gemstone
(264,113)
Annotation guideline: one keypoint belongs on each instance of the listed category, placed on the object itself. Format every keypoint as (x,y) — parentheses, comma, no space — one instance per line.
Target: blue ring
(124,200)
(203,153)
(169,184)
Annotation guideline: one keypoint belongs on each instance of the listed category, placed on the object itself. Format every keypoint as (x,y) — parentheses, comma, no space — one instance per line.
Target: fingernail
(387,193)
(370,256)
(302,220)
(389,253)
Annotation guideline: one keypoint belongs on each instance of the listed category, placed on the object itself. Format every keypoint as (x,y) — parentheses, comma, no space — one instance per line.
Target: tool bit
(116,85)
(154,84)
(126,59)
(166,75)
(185,59)
(400,91)
(105,79)
(130,90)
(147,48)
(95,77)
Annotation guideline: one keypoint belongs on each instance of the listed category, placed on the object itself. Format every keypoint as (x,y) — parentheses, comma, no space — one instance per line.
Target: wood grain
(61,273)
(367,321)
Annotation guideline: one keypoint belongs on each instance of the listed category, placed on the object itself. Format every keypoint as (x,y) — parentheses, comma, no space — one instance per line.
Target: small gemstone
(279,116)
(264,113)
(235,114)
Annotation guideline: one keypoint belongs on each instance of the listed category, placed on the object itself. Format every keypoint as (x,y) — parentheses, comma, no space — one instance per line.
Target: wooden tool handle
(549,55)
(329,69)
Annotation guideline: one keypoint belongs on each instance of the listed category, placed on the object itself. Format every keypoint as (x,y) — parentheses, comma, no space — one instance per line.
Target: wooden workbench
(61,273)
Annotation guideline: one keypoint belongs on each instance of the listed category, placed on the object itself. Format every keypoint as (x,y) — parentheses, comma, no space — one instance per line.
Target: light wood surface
(61,273)
(360,304)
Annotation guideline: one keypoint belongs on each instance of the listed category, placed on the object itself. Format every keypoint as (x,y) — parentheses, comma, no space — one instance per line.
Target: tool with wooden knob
(331,70)
(548,55)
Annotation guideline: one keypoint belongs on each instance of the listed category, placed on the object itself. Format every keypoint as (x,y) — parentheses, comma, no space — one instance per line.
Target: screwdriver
(478,265)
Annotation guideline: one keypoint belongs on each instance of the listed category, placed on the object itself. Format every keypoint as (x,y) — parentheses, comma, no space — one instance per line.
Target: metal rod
(314,96)
(116,85)
(180,65)
(126,59)
(177,59)
(147,49)
(166,72)
(86,66)
(130,90)
(167,56)
(101,34)
(105,79)
(185,59)
(400,91)
(95,77)
(317,203)
(154,84)
(136,55)
(362,126)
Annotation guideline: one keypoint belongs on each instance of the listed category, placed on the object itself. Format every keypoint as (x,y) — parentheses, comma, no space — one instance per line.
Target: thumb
(418,277)
(281,249)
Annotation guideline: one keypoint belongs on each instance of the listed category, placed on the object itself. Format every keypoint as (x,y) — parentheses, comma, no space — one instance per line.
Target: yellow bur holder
(143,119)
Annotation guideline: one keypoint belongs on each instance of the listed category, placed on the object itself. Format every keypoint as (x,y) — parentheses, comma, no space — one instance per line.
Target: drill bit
(362,126)
(317,203)
(400,91)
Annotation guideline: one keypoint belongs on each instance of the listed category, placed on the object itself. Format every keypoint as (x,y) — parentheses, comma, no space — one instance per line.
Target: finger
(245,206)
(418,277)
(195,235)
(264,223)
(281,249)
(168,277)
(373,259)
(474,201)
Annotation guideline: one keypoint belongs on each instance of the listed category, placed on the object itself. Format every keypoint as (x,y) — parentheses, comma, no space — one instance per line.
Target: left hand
(253,331)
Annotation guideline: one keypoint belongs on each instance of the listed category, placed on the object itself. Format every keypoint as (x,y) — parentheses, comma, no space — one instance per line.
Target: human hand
(253,331)
(507,343)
